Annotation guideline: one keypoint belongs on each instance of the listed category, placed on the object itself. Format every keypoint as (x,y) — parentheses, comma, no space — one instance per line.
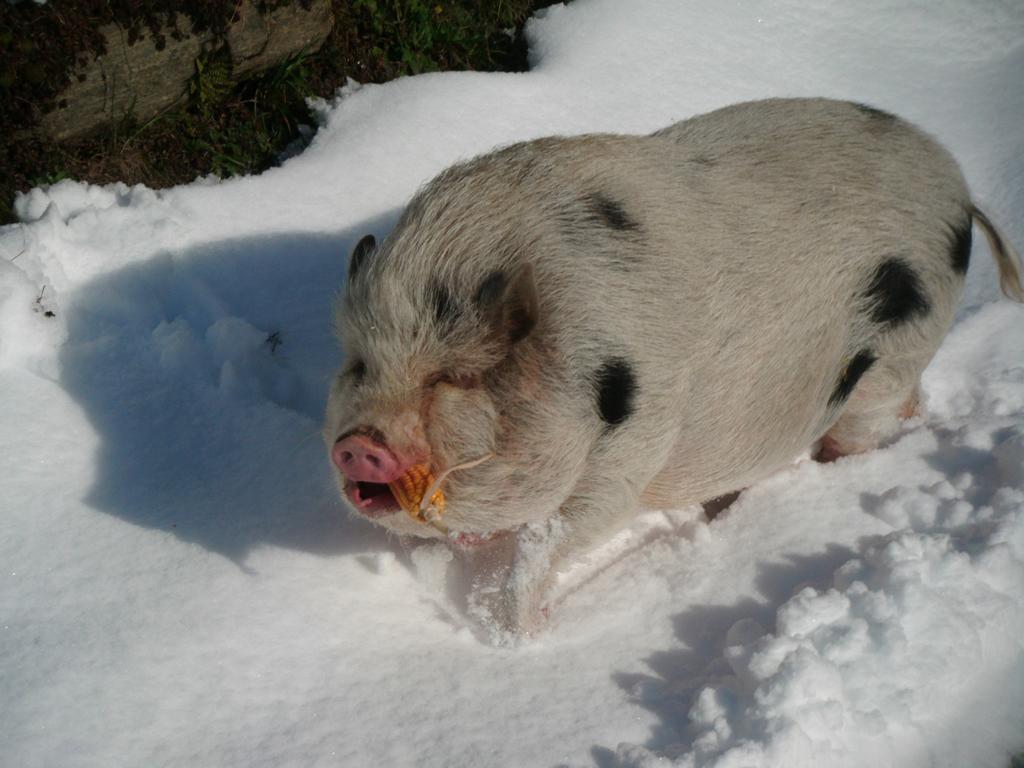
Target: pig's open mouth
(371,499)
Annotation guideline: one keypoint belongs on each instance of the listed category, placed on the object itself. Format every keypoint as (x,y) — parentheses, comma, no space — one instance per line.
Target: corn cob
(409,490)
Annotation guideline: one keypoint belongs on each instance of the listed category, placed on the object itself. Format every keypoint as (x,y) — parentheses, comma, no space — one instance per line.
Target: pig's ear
(359,254)
(509,304)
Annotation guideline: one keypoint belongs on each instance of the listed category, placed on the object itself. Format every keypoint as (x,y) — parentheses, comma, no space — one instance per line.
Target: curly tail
(1007,259)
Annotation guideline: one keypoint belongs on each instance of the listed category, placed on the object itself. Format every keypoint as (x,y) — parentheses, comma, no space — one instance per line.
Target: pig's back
(738,247)
(724,260)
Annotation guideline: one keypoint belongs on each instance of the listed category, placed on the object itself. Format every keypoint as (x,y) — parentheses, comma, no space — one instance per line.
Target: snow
(180,586)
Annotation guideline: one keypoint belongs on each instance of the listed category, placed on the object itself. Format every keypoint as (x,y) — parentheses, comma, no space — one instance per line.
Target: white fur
(734,287)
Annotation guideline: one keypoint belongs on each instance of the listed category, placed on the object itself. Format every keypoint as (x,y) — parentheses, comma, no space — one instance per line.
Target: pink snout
(360,458)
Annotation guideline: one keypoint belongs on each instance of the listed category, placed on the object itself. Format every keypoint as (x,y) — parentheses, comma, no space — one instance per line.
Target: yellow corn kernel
(409,489)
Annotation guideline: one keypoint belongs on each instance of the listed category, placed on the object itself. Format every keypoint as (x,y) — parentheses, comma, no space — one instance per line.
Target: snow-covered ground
(180,586)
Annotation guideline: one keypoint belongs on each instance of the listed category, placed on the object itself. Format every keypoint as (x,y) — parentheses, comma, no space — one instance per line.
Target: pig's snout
(360,458)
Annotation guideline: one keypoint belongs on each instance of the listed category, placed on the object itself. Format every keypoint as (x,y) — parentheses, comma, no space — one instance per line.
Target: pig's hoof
(505,616)
(503,626)
(533,622)
(714,507)
(830,449)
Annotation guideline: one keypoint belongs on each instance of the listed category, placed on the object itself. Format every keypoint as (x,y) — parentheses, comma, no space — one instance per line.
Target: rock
(259,41)
(140,81)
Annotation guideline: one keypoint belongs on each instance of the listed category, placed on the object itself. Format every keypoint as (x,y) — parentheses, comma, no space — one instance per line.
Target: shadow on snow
(205,374)
(679,674)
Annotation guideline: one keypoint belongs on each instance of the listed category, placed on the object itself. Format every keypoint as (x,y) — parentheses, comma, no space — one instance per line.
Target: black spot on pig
(491,289)
(856,368)
(895,294)
(876,114)
(878,122)
(446,311)
(960,248)
(360,253)
(358,371)
(609,213)
(616,389)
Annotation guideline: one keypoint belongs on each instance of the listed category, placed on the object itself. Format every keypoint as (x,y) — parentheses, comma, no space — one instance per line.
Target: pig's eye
(460,380)
(358,370)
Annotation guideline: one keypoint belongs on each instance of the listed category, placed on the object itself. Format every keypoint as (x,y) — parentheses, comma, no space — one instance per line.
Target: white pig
(624,322)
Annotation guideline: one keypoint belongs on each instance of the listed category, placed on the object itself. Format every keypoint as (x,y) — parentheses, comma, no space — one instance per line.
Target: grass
(424,36)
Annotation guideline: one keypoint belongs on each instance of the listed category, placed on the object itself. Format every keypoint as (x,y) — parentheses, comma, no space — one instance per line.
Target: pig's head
(443,365)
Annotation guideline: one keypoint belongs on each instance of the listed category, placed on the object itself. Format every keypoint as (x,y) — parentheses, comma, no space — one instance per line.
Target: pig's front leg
(520,606)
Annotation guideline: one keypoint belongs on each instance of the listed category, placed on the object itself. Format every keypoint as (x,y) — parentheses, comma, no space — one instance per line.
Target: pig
(628,322)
